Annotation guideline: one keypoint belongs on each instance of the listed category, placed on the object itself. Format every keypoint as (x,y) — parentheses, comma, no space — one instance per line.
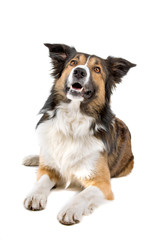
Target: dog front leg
(82,204)
(97,190)
(37,198)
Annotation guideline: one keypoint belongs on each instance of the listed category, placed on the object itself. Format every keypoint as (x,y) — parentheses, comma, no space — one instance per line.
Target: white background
(128,29)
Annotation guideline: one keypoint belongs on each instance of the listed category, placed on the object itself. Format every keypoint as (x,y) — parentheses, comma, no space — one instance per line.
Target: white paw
(31,160)
(73,213)
(89,210)
(35,201)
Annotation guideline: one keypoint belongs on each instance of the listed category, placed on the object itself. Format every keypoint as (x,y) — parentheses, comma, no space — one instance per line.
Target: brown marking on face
(60,83)
(101,177)
(99,81)
(96,62)
(81,59)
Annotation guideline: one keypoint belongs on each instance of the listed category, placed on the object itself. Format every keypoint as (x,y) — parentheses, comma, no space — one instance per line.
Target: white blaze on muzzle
(86,79)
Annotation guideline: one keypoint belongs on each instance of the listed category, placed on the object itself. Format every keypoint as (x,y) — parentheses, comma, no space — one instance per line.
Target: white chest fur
(67,143)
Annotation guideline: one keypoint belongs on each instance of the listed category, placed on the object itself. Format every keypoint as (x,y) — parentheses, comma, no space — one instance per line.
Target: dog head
(82,77)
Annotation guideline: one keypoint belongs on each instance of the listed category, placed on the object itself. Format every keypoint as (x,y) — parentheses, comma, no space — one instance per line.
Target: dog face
(86,78)
(83,77)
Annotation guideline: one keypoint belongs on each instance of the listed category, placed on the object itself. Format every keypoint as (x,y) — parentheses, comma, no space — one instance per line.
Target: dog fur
(81,141)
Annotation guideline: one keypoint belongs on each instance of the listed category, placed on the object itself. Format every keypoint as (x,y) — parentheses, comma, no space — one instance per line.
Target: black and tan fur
(117,158)
(116,135)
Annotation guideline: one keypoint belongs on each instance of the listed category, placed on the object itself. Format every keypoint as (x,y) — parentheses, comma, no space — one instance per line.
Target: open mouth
(77,87)
(77,90)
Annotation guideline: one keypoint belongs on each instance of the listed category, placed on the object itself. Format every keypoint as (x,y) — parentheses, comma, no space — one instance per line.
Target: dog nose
(79,73)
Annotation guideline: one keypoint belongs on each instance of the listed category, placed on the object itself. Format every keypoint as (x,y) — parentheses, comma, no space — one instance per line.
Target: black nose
(80,73)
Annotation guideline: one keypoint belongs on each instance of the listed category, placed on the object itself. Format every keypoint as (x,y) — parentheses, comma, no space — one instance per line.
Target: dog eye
(97,69)
(73,63)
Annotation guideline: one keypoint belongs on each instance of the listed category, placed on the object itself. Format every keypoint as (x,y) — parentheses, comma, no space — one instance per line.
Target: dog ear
(118,67)
(60,51)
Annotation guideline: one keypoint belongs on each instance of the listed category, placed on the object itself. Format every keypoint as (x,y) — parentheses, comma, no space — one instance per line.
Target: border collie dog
(81,141)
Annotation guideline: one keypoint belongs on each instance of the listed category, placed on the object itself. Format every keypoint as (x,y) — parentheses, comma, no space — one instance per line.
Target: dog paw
(31,160)
(73,214)
(35,201)
(89,210)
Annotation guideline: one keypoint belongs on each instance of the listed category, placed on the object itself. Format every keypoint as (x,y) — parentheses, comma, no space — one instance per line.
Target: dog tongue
(77,86)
